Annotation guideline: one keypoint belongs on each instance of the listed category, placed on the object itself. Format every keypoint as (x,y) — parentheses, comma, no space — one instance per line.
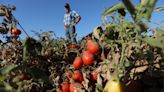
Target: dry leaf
(116,57)
(86,81)
(99,79)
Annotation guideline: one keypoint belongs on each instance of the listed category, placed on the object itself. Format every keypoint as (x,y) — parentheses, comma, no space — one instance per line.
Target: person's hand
(65,27)
(73,24)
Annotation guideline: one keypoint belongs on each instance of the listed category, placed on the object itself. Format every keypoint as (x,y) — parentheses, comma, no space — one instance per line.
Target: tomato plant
(131,48)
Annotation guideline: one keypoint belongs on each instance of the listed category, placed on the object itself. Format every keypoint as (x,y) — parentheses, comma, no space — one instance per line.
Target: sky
(47,15)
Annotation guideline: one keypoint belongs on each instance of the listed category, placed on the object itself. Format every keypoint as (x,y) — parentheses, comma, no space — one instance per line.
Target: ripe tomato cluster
(87,55)
(87,59)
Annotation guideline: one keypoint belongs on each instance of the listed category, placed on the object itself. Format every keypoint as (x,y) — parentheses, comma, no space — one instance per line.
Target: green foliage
(159,9)
(37,74)
(5,70)
(113,8)
(158,41)
(132,40)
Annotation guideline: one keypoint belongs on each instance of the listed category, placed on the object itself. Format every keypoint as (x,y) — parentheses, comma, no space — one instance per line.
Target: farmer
(71,18)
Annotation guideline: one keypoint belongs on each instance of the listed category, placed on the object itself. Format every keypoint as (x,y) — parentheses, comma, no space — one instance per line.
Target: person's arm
(64,21)
(78,18)
(76,21)
(65,27)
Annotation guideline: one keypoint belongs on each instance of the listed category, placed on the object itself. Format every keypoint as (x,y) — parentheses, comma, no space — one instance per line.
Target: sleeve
(75,14)
(64,20)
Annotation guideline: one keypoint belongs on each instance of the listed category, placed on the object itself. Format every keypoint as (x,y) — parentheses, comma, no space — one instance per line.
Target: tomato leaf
(2,78)
(7,86)
(6,69)
(157,42)
(159,9)
(130,7)
(99,79)
(37,73)
(99,88)
(2,88)
(150,8)
(96,32)
(113,8)
(86,81)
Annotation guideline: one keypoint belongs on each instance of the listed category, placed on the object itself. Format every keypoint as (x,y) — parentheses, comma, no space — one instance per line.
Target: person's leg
(67,34)
(72,35)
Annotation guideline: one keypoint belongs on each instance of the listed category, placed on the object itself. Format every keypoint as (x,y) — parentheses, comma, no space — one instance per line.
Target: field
(118,56)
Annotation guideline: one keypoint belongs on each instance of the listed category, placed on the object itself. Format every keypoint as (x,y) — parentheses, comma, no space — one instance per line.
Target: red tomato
(81,79)
(70,73)
(77,63)
(94,75)
(92,46)
(87,58)
(25,77)
(65,86)
(74,87)
(77,76)
(73,46)
(15,31)
(60,90)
